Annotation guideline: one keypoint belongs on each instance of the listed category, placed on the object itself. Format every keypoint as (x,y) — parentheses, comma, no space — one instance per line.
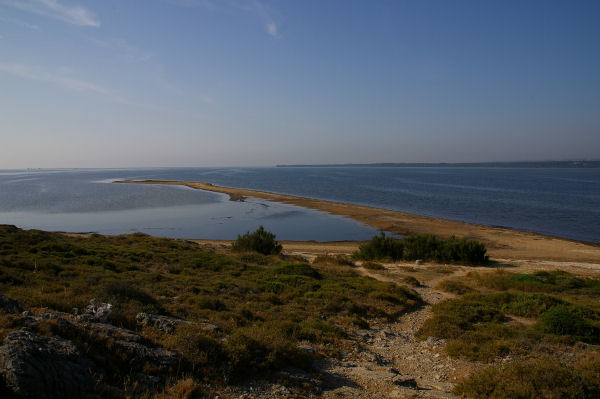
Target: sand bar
(502,243)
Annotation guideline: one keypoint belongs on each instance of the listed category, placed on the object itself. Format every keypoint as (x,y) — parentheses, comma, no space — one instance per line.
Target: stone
(162,323)
(96,312)
(34,366)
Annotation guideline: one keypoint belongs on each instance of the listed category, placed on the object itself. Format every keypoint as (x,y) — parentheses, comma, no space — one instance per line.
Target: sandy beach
(502,243)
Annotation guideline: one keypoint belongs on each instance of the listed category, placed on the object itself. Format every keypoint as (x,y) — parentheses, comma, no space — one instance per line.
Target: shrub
(380,247)
(260,241)
(559,320)
(424,246)
(541,378)
(298,269)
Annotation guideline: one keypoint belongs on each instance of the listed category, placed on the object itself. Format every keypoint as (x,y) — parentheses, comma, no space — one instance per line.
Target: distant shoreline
(526,164)
(501,242)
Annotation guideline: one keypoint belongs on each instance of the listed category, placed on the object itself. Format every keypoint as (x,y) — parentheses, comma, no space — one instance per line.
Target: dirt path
(391,363)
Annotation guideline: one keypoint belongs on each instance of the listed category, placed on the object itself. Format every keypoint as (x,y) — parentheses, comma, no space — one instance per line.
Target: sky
(126,83)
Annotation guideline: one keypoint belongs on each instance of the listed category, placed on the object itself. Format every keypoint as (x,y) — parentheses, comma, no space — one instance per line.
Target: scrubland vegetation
(537,333)
(264,305)
(543,328)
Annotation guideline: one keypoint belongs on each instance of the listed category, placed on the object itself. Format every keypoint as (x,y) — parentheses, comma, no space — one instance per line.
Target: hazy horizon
(207,83)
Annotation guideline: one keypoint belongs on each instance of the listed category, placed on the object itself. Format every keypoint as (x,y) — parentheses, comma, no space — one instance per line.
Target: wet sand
(502,243)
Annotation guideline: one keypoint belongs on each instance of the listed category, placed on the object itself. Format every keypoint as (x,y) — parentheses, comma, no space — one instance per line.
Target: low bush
(560,320)
(380,247)
(540,378)
(260,241)
(476,324)
(373,265)
(556,281)
(454,287)
(336,260)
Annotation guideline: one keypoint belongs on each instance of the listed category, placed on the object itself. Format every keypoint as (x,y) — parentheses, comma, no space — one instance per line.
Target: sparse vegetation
(335,260)
(425,247)
(545,377)
(478,326)
(454,287)
(371,265)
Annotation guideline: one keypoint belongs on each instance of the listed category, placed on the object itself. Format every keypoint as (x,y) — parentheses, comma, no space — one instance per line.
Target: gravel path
(389,362)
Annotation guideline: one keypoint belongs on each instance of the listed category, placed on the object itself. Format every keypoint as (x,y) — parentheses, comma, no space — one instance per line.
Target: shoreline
(501,242)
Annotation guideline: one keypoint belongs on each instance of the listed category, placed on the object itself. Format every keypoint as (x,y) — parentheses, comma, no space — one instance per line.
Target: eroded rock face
(34,366)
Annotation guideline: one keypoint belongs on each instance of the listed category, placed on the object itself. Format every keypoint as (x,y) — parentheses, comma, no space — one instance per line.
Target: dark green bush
(426,247)
(380,247)
(560,320)
(260,241)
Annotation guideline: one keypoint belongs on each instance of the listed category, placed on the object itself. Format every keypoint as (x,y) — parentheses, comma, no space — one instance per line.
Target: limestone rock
(43,367)
(163,323)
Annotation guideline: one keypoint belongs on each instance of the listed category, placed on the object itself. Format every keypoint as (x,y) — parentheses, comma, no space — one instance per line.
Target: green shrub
(424,246)
(261,348)
(380,247)
(560,320)
(260,241)
(541,378)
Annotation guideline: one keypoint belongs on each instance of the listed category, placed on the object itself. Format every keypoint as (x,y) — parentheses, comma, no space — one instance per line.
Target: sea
(562,202)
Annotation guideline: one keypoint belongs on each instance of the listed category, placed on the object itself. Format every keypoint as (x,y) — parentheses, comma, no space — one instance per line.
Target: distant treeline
(527,164)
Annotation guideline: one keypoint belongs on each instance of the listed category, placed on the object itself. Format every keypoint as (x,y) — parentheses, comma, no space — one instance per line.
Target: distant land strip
(501,242)
(524,164)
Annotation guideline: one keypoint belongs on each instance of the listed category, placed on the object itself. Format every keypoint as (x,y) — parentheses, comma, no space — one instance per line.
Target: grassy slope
(265,305)
(549,322)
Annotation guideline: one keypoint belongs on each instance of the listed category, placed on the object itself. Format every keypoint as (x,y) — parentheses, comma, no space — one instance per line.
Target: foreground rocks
(83,356)
(43,367)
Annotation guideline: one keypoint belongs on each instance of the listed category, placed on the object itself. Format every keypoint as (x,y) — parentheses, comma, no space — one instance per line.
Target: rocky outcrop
(168,324)
(34,366)
(96,312)
(162,323)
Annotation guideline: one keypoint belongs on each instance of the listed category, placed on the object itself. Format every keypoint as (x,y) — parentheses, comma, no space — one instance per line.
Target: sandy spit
(502,243)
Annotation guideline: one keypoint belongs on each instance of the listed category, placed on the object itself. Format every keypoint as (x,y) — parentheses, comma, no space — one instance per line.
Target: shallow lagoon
(87,201)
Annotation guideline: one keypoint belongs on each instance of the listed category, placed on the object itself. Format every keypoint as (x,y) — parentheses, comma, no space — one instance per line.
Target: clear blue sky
(122,83)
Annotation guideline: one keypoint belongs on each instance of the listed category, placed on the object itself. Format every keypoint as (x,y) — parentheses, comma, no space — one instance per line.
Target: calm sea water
(559,202)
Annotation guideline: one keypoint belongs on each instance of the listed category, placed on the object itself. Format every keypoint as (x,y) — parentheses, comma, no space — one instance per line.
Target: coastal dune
(502,243)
